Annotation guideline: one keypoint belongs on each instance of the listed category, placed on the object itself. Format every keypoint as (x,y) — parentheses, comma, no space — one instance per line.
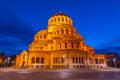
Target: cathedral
(59,47)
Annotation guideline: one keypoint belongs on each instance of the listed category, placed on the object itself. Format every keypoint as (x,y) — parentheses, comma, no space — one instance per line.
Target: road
(59,75)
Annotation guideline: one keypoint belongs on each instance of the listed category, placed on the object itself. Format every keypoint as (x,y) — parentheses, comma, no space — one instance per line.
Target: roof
(60,13)
(42,32)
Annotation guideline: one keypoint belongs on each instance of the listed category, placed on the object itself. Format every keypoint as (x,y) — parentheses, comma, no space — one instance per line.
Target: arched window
(72,32)
(56,60)
(51,47)
(67,31)
(40,36)
(53,60)
(96,61)
(72,45)
(62,59)
(41,48)
(99,61)
(82,60)
(44,37)
(33,60)
(58,19)
(42,60)
(60,45)
(37,60)
(77,46)
(62,19)
(76,59)
(79,59)
(61,31)
(65,45)
(73,60)
(66,20)
(55,20)
(69,21)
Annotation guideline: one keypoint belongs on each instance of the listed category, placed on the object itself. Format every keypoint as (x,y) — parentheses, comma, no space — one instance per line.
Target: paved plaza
(33,74)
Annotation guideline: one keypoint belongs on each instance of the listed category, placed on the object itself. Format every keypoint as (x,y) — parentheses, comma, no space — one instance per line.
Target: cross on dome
(60,12)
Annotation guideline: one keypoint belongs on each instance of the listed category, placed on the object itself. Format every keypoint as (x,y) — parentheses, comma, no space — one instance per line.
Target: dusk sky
(98,21)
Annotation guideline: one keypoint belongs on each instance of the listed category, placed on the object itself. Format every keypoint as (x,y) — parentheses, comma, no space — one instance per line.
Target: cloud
(111,46)
(14,34)
(113,43)
(11,45)
(16,28)
(109,49)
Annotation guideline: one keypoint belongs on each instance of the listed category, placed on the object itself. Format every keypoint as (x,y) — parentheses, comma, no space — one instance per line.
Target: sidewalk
(37,70)
(107,69)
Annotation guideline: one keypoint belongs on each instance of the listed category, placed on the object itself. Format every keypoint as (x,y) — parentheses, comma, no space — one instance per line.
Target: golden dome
(40,35)
(42,32)
(60,13)
(60,18)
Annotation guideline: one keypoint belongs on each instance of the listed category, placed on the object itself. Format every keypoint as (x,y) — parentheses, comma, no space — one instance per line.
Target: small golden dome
(60,18)
(41,32)
(40,35)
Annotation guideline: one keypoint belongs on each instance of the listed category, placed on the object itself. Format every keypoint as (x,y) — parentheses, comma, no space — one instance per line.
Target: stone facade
(59,47)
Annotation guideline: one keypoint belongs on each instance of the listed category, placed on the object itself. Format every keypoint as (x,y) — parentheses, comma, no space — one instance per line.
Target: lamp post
(114,60)
(5,63)
(8,61)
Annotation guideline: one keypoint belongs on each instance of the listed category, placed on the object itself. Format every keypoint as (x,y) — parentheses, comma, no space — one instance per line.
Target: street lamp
(114,62)
(8,61)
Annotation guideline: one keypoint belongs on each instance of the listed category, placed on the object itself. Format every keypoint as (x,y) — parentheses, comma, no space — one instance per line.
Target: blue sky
(98,21)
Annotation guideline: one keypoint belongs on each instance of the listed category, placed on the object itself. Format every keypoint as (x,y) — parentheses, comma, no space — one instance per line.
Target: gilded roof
(42,32)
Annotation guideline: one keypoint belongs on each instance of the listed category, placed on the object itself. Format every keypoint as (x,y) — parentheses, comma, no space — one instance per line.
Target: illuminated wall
(60,46)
